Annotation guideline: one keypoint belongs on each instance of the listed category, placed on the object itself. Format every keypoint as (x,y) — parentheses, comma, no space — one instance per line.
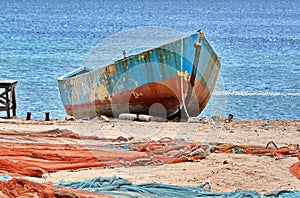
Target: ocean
(258,42)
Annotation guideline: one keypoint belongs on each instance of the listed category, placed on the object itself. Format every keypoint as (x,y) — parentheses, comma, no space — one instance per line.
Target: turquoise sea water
(258,41)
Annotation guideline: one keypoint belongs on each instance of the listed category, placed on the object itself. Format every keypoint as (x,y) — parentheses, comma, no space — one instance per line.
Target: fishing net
(277,153)
(37,159)
(295,168)
(37,154)
(19,187)
(119,187)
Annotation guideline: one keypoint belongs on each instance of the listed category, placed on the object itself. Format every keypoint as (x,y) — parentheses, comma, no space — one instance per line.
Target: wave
(245,93)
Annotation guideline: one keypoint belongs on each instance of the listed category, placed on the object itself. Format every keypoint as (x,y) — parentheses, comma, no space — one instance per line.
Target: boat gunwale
(76,71)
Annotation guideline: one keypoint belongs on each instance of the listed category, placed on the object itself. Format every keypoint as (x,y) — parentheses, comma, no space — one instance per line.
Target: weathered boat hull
(179,75)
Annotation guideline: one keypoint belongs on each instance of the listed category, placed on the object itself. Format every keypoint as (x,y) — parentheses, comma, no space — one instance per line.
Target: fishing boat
(171,80)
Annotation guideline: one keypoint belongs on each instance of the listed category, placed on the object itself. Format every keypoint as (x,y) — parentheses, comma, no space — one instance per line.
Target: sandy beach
(225,172)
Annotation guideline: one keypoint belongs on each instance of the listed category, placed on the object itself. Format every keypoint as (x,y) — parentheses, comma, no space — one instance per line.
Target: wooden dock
(8,96)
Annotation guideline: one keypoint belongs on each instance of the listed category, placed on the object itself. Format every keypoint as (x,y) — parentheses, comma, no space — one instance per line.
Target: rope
(283,194)
(271,142)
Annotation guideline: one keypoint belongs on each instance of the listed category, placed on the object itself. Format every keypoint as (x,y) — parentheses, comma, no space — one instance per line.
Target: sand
(224,172)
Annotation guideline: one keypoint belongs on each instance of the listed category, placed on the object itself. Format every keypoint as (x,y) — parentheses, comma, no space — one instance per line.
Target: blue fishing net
(119,187)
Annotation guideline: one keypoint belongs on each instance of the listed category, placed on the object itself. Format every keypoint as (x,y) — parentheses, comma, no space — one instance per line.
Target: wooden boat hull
(179,75)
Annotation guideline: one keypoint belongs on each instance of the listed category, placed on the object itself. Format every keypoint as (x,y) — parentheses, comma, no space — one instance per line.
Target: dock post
(47,116)
(28,117)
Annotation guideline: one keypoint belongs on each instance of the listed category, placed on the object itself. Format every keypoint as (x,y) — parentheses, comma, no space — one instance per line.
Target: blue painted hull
(178,75)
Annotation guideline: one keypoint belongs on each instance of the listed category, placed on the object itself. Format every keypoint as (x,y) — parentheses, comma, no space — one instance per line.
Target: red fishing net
(295,168)
(277,153)
(18,187)
(38,153)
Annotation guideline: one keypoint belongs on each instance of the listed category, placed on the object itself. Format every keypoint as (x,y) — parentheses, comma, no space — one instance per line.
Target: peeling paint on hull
(166,75)
(153,93)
